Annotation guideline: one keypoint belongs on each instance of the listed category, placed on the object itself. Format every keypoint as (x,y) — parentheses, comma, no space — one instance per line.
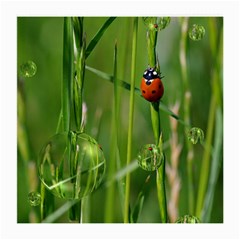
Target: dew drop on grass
(28,69)
(71,165)
(188,219)
(34,198)
(195,135)
(150,157)
(196,32)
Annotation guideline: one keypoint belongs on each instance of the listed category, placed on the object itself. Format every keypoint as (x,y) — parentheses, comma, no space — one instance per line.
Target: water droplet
(150,157)
(34,198)
(163,22)
(196,32)
(71,165)
(195,134)
(157,24)
(28,69)
(188,219)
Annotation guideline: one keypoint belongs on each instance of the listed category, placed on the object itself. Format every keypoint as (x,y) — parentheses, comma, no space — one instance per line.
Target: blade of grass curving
(137,209)
(127,86)
(98,36)
(215,168)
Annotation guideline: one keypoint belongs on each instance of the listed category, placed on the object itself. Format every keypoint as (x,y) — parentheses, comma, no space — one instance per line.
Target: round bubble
(196,135)
(71,165)
(150,157)
(34,198)
(28,69)
(188,219)
(196,32)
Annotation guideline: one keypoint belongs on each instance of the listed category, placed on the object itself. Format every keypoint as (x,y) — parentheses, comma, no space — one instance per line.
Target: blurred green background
(40,39)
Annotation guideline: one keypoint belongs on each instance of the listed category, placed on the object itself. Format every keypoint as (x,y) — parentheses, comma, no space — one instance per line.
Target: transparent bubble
(196,32)
(71,165)
(158,24)
(163,22)
(28,69)
(195,135)
(150,157)
(34,198)
(188,219)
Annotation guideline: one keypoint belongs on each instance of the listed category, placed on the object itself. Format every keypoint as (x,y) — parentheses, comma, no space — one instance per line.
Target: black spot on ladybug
(160,86)
(153,92)
(144,91)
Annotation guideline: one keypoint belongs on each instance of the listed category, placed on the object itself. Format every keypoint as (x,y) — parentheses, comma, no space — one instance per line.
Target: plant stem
(161,192)
(186,104)
(109,206)
(67,71)
(156,124)
(131,113)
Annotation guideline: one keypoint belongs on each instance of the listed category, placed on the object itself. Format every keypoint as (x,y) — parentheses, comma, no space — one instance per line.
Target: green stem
(161,192)
(156,124)
(67,71)
(131,112)
(110,206)
(186,104)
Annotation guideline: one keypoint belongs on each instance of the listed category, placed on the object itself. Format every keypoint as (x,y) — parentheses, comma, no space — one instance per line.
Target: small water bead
(195,135)
(150,157)
(71,165)
(188,219)
(157,24)
(28,69)
(34,198)
(196,32)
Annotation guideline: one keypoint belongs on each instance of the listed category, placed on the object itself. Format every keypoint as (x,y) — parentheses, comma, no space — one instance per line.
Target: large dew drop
(150,157)
(195,135)
(71,165)
(28,69)
(34,198)
(196,32)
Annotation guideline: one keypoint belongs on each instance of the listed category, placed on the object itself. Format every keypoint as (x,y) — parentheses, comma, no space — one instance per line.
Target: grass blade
(98,36)
(130,127)
(127,86)
(67,71)
(215,168)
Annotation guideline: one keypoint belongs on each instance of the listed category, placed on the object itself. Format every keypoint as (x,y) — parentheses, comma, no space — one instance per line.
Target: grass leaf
(98,36)
(127,86)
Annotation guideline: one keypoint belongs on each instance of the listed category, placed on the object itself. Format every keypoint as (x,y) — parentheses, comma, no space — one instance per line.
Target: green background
(40,39)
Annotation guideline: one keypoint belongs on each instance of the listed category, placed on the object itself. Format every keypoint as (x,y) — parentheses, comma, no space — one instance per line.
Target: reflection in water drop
(71,165)
(188,219)
(196,32)
(195,134)
(150,157)
(28,69)
(34,198)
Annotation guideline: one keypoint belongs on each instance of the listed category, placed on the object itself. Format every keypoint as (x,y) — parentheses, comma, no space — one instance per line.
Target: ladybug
(151,85)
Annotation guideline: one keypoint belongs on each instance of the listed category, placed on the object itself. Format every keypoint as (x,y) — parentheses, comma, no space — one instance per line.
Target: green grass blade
(110,198)
(98,36)
(131,114)
(215,168)
(127,86)
(67,71)
(59,212)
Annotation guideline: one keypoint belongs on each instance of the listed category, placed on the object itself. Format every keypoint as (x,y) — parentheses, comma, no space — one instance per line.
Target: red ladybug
(151,85)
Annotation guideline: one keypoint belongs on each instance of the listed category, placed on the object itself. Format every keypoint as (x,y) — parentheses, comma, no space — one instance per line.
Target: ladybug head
(150,74)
